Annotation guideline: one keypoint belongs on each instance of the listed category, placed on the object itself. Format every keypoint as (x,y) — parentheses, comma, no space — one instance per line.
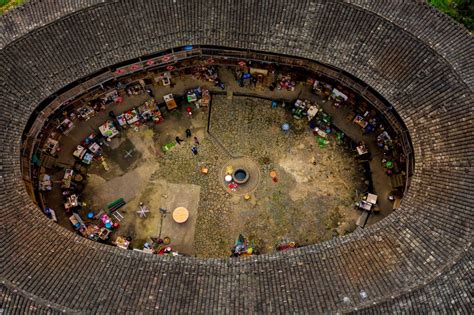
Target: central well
(240,176)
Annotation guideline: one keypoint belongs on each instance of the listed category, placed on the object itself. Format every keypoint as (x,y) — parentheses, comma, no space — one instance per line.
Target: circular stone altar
(245,175)
(180,215)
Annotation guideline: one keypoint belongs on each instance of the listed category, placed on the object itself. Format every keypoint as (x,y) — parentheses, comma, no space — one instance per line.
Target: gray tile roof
(418,259)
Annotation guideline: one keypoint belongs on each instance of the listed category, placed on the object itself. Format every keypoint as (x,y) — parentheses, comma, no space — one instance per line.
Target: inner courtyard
(301,188)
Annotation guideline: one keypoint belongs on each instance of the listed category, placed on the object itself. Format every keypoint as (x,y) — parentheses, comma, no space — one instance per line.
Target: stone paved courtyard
(312,200)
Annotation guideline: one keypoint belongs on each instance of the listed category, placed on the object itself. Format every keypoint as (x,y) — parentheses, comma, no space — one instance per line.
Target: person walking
(179,140)
(149,92)
(188,133)
(195,150)
(196,141)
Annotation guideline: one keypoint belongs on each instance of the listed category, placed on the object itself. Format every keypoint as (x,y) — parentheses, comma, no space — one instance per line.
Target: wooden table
(170,102)
(359,120)
(371,198)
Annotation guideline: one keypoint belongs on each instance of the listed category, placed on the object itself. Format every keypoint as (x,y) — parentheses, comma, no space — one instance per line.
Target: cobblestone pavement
(312,199)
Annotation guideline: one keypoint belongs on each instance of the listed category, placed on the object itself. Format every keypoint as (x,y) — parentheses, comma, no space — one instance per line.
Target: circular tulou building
(416,260)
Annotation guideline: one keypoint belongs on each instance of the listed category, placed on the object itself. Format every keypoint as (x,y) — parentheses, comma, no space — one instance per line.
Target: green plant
(6,5)
(333,218)
(460,10)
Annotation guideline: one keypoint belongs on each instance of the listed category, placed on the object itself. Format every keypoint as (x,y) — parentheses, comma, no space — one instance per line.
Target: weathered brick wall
(418,60)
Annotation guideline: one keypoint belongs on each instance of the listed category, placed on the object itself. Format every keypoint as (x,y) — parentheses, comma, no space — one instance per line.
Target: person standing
(195,150)
(196,141)
(188,133)
(179,140)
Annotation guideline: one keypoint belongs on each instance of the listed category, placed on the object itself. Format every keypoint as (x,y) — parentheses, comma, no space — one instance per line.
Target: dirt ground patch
(99,192)
(161,194)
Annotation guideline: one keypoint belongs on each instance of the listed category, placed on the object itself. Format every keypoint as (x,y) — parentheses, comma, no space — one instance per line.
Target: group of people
(194,148)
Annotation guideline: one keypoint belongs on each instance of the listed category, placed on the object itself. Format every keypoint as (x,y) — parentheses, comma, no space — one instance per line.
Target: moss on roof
(460,10)
(7,5)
